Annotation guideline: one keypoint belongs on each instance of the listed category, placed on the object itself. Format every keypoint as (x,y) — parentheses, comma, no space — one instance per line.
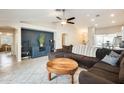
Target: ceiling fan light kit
(64,20)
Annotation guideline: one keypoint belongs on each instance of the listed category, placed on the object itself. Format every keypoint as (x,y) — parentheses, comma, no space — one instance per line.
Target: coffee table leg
(49,76)
(72,76)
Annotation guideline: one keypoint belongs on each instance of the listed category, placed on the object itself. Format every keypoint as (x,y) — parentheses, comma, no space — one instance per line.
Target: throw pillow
(120,59)
(110,60)
(121,73)
(67,48)
(114,54)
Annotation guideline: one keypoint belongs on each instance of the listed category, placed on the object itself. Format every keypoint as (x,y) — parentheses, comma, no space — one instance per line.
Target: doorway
(63,38)
(7,46)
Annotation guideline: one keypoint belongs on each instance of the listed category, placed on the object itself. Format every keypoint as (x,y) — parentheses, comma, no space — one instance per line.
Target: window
(101,40)
(5,39)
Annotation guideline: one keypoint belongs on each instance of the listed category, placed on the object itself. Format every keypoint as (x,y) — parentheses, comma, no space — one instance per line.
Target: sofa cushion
(78,49)
(53,55)
(82,60)
(90,78)
(105,74)
(110,60)
(102,52)
(121,73)
(67,48)
(73,56)
(107,67)
(90,51)
(84,50)
(89,61)
(114,54)
(120,59)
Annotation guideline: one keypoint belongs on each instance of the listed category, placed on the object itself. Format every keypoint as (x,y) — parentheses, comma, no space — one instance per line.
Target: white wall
(91,33)
(82,35)
(18,43)
(71,33)
(71,36)
(108,30)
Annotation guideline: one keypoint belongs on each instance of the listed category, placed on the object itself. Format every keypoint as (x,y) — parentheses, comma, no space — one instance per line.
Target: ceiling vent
(97,15)
(59,10)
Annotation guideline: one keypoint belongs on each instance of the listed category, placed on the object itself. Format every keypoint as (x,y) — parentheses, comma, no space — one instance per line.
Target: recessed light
(98,15)
(96,24)
(112,15)
(113,22)
(0,33)
(92,20)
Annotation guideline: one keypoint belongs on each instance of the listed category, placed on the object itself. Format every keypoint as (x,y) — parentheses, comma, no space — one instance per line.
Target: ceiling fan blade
(59,18)
(71,22)
(70,18)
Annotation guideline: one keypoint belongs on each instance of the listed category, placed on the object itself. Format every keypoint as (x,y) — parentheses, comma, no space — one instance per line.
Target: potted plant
(41,40)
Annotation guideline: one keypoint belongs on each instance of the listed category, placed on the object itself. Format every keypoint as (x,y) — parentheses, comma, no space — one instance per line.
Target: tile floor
(32,71)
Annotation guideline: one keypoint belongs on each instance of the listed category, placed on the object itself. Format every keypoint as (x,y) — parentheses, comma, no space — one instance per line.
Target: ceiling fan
(64,20)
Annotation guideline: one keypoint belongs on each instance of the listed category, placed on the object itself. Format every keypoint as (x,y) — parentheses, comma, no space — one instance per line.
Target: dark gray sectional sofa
(103,73)
(98,72)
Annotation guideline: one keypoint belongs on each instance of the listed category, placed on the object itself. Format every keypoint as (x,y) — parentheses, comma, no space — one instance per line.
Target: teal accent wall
(31,36)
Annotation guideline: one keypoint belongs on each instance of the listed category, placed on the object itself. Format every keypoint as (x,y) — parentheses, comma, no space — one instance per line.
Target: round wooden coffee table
(62,66)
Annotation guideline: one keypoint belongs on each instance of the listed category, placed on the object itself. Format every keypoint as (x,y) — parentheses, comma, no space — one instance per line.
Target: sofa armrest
(53,55)
(89,78)
(59,50)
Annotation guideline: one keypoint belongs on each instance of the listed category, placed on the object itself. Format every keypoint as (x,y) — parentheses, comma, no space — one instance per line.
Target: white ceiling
(48,16)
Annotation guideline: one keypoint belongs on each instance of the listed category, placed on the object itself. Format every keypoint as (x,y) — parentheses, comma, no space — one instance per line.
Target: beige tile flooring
(32,71)
(6,59)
